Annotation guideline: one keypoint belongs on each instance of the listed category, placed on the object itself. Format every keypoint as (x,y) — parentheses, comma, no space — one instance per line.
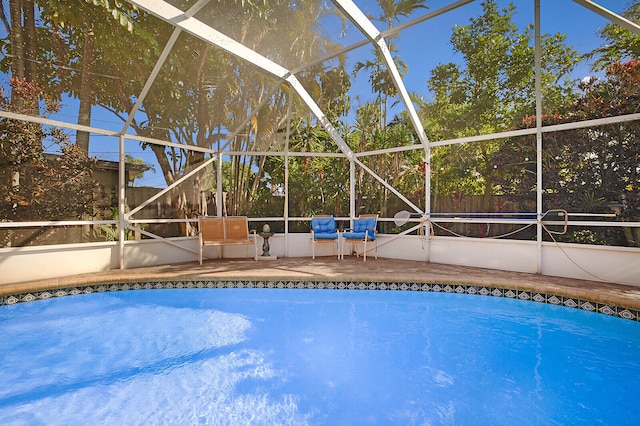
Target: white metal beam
(538,84)
(173,185)
(613,17)
(360,20)
(56,123)
(152,78)
(180,19)
(388,186)
(389,32)
(122,214)
(159,63)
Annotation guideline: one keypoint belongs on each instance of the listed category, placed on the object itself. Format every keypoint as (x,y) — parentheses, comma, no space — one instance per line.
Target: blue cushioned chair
(364,230)
(324,230)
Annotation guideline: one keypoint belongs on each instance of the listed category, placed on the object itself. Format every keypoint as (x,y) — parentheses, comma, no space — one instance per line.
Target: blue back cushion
(323,225)
(367,225)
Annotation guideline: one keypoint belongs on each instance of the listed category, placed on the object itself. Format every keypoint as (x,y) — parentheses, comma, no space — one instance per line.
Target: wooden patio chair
(228,230)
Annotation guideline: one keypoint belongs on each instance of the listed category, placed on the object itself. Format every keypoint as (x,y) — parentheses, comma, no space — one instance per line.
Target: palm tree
(380,80)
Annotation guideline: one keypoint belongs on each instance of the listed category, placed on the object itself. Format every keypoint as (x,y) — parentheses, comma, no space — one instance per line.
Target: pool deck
(350,269)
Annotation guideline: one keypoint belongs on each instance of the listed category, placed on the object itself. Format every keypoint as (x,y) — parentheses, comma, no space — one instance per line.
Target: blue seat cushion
(362,227)
(324,228)
(325,235)
(353,235)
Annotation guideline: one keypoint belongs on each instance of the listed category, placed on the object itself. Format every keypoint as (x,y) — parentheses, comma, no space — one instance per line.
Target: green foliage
(110,232)
(34,185)
(583,169)
(137,161)
(584,236)
(490,93)
(393,10)
(316,184)
(379,77)
(620,44)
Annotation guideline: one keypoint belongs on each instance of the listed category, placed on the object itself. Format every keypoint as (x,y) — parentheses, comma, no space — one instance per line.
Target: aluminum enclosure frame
(184,21)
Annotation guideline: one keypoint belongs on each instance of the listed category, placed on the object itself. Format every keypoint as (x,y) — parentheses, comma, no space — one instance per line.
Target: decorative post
(266,234)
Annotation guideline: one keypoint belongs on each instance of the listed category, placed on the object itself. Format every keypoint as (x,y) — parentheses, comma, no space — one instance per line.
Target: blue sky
(424,46)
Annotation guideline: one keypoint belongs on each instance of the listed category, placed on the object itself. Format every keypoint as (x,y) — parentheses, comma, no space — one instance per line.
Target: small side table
(265,246)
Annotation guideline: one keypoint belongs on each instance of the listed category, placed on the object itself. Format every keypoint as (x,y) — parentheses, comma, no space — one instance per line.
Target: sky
(421,47)
(424,46)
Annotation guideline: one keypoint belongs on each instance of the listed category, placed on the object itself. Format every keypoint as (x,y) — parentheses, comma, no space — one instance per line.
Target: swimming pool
(280,356)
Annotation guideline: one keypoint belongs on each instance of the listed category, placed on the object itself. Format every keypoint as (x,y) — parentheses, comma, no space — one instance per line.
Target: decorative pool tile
(607,310)
(627,314)
(538,298)
(459,288)
(587,306)
(554,300)
(570,303)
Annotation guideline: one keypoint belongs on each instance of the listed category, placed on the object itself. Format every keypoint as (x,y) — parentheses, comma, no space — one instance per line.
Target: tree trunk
(164,163)
(17,36)
(86,89)
(31,67)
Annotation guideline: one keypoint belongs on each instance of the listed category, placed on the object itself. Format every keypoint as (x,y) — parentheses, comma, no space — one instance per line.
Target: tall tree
(620,44)
(56,43)
(493,89)
(379,78)
(201,94)
(584,170)
(33,185)
(95,33)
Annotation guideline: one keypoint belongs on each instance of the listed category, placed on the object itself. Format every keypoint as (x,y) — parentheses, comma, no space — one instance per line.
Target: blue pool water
(317,357)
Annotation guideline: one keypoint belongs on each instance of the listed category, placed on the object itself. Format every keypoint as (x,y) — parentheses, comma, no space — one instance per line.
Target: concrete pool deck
(350,269)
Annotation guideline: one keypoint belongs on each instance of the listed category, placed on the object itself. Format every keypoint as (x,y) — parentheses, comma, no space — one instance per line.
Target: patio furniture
(364,231)
(222,231)
(323,231)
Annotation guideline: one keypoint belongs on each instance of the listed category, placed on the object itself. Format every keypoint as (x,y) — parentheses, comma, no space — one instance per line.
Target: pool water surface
(296,357)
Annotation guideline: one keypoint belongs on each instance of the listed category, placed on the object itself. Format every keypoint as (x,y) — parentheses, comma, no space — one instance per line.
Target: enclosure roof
(191,19)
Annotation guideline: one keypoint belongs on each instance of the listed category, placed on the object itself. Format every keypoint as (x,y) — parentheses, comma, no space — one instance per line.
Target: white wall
(612,264)
(45,262)
(519,256)
(599,263)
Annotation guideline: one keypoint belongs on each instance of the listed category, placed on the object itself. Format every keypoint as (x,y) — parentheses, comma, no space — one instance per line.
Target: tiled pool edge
(471,289)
